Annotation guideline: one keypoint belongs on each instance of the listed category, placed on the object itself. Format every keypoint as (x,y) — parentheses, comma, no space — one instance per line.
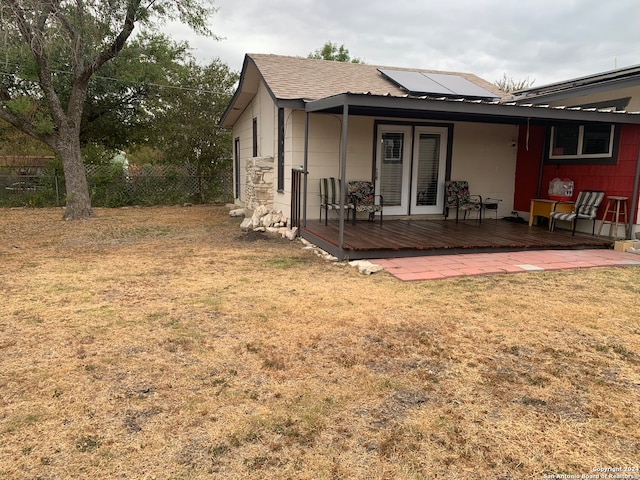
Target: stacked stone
(265,220)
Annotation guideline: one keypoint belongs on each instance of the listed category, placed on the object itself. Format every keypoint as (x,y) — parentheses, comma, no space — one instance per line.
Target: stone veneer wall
(260,178)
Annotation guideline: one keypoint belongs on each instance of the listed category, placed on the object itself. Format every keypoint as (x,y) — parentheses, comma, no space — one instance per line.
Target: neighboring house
(21,172)
(410,130)
(24,165)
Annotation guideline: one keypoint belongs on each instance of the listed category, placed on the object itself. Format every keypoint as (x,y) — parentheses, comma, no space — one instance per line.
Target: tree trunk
(78,200)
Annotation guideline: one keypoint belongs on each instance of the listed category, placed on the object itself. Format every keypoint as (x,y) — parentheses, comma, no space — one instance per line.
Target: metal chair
(585,208)
(362,194)
(491,204)
(330,191)
(457,196)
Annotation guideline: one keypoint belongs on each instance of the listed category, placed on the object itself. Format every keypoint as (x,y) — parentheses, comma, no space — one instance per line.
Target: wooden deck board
(429,237)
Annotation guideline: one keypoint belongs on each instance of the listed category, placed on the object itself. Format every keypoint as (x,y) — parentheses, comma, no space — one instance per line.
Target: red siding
(613,179)
(528,166)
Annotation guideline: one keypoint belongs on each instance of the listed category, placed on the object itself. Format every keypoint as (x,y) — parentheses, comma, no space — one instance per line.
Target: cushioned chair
(363,197)
(585,208)
(457,196)
(330,191)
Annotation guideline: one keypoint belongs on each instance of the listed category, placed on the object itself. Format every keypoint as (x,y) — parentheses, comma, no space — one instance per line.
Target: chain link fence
(118,186)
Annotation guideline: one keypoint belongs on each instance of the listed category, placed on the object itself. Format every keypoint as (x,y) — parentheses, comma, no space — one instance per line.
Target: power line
(153,84)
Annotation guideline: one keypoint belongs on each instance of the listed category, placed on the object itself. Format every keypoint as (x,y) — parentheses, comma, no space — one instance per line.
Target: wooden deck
(398,238)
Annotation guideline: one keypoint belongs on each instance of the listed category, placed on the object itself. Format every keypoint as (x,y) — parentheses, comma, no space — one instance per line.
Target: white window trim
(580,146)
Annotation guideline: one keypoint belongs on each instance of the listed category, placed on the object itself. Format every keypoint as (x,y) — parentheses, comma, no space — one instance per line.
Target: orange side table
(542,207)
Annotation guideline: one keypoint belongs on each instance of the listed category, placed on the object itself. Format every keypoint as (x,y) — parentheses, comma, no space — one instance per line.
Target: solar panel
(415,82)
(461,85)
(436,84)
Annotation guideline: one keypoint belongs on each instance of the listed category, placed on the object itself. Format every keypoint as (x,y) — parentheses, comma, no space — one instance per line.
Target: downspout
(343,176)
(634,199)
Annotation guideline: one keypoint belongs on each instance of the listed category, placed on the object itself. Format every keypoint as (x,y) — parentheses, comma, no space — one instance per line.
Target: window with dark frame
(597,139)
(281,149)
(236,160)
(565,140)
(582,143)
(255,137)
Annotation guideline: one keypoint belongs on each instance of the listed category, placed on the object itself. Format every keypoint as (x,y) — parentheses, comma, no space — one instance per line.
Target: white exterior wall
(325,150)
(242,130)
(485,155)
(264,110)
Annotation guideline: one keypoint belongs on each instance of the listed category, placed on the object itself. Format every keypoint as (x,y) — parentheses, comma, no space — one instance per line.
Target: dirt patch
(165,343)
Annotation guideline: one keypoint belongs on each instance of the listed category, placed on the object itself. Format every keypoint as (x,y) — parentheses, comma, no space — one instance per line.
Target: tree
(507,84)
(52,50)
(123,100)
(186,119)
(15,142)
(331,51)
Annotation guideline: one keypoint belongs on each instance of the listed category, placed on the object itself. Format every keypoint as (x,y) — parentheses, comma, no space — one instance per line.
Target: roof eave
(506,112)
(231,107)
(245,93)
(576,91)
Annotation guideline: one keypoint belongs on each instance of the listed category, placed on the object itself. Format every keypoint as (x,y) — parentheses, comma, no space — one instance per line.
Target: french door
(410,167)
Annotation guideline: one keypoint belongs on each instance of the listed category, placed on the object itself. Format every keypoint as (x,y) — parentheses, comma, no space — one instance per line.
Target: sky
(545,41)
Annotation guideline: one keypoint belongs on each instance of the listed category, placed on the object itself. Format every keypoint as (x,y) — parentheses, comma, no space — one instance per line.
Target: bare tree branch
(35,39)
(82,77)
(24,126)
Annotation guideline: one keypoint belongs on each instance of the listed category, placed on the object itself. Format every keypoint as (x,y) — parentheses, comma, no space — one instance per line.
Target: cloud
(546,40)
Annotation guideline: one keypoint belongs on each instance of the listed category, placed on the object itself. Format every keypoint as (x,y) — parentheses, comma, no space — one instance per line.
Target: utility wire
(153,84)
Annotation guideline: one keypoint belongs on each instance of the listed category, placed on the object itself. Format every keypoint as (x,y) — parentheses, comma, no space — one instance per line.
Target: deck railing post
(343,175)
(296,176)
(305,169)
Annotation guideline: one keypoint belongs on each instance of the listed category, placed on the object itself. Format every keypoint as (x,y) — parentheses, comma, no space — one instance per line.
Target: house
(599,155)
(410,130)
(20,173)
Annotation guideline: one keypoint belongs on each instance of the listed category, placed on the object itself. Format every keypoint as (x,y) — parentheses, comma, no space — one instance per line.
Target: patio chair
(330,191)
(491,204)
(457,196)
(585,208)
(362,194)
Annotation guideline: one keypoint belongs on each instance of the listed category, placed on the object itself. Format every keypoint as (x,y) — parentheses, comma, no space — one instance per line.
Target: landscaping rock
(365,267)
(267,220)
(264,220)
(635,248)
(238,212)
(260,211)
(291,234)
(246,225)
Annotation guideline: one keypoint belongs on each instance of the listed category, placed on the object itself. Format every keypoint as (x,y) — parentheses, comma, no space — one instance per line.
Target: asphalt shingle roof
(303,79)
(311,79)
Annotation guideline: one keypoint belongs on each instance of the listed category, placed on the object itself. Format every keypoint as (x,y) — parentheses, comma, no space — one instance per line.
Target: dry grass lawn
(164,343)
